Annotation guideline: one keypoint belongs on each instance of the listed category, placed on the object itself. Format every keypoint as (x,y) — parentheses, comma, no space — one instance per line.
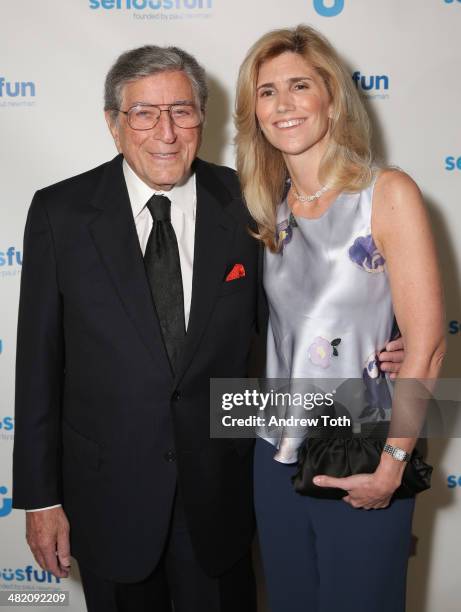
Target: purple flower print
(365,254)
(284,233)
(377,394)
(372,366)
(321,351)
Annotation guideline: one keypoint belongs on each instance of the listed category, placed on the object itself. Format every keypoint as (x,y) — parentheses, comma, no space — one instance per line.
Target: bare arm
(402,233)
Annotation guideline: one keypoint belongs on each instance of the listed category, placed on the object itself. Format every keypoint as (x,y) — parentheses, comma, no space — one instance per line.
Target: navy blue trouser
(324,555)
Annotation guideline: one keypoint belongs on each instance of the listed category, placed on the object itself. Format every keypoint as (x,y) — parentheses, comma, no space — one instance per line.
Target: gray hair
(147,60)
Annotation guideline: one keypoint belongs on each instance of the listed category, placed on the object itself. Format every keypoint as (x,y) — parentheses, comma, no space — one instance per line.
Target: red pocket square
(238,271)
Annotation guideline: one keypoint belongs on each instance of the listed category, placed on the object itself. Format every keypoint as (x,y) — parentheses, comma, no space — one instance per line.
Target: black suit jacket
(102,425)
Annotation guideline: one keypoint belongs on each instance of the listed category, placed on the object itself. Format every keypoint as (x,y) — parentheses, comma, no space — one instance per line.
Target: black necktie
(163,268)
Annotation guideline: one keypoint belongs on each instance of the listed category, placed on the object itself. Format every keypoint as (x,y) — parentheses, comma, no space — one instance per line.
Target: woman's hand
(367,491)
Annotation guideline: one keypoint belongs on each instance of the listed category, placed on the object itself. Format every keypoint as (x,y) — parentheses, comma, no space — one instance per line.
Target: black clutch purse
(345,456)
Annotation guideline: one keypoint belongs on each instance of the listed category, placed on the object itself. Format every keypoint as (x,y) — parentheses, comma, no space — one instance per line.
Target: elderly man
(139,285)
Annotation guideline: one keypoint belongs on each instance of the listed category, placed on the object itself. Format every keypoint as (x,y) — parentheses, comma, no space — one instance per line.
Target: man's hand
(47,533)
(367,491)
(391,358)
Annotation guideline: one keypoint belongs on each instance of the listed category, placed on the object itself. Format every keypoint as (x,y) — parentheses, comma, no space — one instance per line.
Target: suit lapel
(114,233)
(214,232)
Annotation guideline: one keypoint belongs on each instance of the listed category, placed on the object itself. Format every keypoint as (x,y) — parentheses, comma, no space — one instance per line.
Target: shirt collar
(183,196)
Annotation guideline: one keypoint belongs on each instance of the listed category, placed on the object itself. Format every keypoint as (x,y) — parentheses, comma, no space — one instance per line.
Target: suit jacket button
(176,396)
(170,456)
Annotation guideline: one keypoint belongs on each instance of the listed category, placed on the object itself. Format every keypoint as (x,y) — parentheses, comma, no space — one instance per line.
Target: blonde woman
(347,246)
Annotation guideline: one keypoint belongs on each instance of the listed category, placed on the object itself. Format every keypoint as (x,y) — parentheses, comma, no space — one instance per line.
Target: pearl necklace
(310,198)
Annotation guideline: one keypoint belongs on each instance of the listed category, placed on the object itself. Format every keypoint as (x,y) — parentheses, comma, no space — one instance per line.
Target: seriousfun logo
(162,10)
(6,503)
(454,327)
(328,8)
(10,262)
(16,93)
(28,574)
(451,162)
(453,481)
(6,427)
(369,85)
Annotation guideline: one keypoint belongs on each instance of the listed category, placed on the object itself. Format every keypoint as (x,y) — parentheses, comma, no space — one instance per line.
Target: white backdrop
(54,57)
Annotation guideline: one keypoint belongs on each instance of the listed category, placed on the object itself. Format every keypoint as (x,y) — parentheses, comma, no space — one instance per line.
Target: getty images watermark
(271,402)
(245,408)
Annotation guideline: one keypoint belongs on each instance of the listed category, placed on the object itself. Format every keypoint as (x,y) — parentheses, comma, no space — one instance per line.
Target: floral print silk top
(330,311)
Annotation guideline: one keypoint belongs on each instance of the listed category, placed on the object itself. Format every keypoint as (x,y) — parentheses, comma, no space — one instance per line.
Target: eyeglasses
(146,116)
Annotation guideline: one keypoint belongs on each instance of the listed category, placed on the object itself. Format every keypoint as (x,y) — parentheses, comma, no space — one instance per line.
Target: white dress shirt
(183,197)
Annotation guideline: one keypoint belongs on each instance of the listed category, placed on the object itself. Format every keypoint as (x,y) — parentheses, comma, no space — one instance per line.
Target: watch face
(399,454)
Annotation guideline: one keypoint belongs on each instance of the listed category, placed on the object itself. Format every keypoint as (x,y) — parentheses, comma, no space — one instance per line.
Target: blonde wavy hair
(347,162)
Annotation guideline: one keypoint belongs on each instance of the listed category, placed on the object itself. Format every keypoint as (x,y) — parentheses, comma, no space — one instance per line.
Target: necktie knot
(159,207)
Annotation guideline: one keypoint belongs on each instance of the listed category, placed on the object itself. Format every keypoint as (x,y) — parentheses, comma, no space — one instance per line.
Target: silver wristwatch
(398,453)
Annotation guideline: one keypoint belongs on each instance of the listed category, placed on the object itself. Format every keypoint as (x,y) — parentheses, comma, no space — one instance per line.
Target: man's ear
(113,128)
